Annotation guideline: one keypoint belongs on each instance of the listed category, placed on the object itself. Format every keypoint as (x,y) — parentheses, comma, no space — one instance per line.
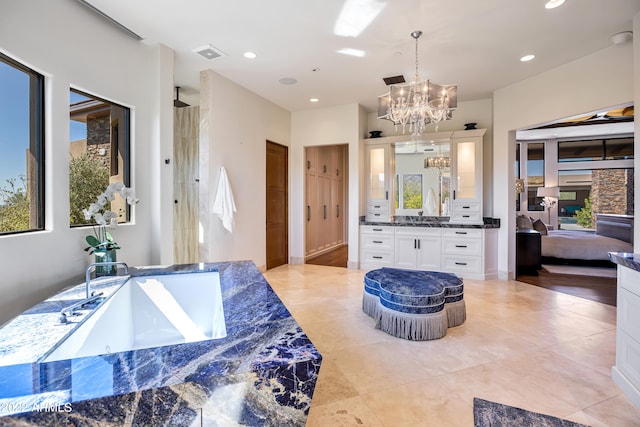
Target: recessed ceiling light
(314,100)
(527,58)
(250,55)
(288,81)
(552,4)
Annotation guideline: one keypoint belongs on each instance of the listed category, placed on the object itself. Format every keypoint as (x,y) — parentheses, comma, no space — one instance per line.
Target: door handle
(337,211)
(308,213)
(325,211)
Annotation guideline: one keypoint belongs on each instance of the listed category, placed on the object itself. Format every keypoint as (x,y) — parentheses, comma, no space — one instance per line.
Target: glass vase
(108,255)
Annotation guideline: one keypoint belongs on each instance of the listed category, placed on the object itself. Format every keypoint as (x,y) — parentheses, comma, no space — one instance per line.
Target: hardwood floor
(335,258)
(600,289)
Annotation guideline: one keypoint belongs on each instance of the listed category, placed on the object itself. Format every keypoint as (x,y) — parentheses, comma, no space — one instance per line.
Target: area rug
(580,270)
(492,414)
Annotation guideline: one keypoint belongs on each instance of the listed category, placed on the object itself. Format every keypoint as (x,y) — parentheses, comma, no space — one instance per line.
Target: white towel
(431,206)
(223,205)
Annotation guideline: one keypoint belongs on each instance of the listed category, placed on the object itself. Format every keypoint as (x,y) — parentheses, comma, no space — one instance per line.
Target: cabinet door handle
(325,211)
(376,206)
(308,213)
(337,172)
(461,246)
(377,241)
(415,244)
(461,232)
(376,214)
(337,211)
(377,229)
(308,164)
(377,257)
(386,195)
(466,207)
(466,216)
(418,243)
(454,194)
(324,168)
(461,263)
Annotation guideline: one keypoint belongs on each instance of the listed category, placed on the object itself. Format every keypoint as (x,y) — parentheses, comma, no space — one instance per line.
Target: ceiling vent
(393,80)
(209,52)
(109,19)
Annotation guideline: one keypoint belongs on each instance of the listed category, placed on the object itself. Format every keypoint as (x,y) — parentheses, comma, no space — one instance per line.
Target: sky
(14,122)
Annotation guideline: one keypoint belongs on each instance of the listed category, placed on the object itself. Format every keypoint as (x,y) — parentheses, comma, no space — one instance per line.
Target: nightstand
(528,252)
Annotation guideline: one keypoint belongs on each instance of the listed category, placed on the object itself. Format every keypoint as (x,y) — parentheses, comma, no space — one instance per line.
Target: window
(21,148)
(535,174)
(99,153)
(595,149)
(409,185)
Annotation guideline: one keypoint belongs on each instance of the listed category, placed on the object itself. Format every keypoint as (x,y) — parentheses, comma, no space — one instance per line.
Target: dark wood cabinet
(528,252)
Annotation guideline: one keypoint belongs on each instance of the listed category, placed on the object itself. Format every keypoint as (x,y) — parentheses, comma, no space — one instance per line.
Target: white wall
(72,47)
(603,79)
(324,126)
(235,125)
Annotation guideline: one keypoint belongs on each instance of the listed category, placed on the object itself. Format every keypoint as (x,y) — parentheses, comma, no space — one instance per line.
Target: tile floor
(521,345)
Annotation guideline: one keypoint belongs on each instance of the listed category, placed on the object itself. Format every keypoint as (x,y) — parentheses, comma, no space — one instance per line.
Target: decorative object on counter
(417,103)
(375,133)
(470,126)
(224,205)
(101,243)
(414,305)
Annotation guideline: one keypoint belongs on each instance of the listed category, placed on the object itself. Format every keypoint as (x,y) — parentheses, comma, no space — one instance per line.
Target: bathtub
(149,311)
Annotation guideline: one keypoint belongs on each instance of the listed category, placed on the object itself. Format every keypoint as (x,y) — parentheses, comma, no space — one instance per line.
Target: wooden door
(277,180)
(311,211)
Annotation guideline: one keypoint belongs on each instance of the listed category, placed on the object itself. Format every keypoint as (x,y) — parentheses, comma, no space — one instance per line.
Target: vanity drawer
(372,259)
(462,233)
(462,264)
(376,229)
(471,207)
(462,246)
(464,216)
(378,207)
(379,216)
(376,241)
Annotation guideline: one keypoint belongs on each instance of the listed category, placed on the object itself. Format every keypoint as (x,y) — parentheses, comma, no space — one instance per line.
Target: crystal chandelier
(440,162)
(418,103)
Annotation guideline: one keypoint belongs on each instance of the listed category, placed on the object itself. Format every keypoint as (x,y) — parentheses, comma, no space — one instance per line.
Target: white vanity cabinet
(417,248)
(376,246)
(464,251)
(626,372)
(466,177)
(379,166)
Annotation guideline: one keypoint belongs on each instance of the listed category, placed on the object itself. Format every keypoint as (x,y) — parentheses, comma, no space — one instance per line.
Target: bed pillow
(540,227)
(523,222)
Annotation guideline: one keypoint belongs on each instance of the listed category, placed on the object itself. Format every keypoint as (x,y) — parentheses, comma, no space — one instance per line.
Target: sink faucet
(101,264)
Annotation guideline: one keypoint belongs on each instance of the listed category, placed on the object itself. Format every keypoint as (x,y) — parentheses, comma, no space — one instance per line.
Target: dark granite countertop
(430,221)
(626,259)
(262,373)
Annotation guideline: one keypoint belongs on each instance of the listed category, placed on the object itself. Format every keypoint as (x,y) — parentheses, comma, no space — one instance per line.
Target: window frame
(36,144)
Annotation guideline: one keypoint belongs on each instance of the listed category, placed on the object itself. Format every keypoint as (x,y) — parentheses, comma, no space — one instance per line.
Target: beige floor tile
(521,345)
(423,403)
(346,412)
(617,411)
(332,384)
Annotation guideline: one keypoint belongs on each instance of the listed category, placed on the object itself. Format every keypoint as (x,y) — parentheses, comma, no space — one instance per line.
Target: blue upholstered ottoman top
(411,291)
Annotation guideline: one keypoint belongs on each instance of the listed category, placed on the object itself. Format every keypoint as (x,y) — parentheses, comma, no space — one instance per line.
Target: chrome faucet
(101,264)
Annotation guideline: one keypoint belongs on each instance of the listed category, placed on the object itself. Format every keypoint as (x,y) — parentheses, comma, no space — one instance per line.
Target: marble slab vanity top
(265,368)
(626,259)
(428,221)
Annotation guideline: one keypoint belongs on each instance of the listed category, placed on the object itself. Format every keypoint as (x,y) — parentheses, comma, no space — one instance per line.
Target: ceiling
(475,44)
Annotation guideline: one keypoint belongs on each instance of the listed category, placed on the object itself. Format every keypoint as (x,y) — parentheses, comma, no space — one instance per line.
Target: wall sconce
(519,185)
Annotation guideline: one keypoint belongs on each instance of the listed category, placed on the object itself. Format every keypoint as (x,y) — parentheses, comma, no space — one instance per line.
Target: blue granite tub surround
(262,373)
(626,259)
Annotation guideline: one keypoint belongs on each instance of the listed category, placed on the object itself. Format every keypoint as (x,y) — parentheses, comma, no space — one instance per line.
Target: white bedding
(581,245)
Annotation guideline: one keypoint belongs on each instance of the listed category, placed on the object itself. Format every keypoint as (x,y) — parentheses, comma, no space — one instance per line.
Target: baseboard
(324,251)
(296,260)
(353,265)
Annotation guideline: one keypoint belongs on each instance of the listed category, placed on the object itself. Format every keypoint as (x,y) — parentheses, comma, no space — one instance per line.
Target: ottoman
(414,305)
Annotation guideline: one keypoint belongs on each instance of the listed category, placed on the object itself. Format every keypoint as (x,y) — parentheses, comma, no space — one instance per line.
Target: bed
(614,233)
(581,245)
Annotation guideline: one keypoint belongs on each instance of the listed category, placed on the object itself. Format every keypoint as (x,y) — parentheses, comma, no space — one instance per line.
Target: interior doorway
(326,205)
(277,183)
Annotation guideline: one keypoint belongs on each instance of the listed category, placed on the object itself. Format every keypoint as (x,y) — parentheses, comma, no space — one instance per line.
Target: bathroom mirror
(422,184)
